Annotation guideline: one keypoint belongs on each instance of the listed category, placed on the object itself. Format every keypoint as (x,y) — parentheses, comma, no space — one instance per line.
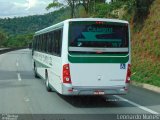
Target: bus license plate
(99,93)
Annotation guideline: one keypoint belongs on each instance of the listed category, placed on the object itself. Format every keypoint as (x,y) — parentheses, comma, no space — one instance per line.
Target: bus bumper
(68,89)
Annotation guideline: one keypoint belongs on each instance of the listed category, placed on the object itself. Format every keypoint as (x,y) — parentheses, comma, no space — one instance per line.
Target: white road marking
(26,99)
(17,64)
(19,76)
(137,105)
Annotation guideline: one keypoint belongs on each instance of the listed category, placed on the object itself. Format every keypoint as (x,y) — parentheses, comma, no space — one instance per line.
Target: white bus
(84,56)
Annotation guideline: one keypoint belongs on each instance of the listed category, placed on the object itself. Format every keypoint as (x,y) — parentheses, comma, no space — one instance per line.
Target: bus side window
(48,42)
(60,41)
(37,40)
(38,43)
(45,42)
(52,42)
(35,43)
(56,43)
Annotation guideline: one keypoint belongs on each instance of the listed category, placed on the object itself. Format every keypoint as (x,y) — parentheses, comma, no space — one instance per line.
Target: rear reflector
(70,90)
(128,76)
(66,74)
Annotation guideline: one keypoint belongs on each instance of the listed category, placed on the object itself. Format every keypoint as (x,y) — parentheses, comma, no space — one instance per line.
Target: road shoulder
(147,86)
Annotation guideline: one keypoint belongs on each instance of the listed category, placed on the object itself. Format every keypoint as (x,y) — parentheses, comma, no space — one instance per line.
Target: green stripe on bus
(98,59)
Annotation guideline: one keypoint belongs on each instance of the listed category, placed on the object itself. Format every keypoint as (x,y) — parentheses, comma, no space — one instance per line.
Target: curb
(146,86)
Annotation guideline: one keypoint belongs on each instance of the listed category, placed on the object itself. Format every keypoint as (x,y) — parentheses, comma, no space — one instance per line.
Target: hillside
(30,24)
(19,31)
(146,49)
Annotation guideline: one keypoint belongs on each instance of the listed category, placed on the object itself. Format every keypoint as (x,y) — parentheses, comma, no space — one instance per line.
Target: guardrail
(5,50)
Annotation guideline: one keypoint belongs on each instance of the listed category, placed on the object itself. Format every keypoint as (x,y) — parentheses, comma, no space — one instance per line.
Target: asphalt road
(21,93)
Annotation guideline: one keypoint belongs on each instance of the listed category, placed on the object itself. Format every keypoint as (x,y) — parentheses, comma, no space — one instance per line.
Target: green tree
(139,8)
(88,5)
(54,4)
(3,38)
(19,41)
(70,3)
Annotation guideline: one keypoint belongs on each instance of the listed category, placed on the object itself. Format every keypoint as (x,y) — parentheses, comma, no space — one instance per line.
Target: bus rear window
(102,37)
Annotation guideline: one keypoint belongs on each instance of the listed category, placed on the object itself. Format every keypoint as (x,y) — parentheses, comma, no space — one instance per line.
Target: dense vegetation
(13,28)
(19,31)
(146,48)
(143,15)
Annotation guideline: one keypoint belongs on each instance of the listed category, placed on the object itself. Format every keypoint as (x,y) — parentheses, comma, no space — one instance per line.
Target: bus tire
(47,84)
(35,71)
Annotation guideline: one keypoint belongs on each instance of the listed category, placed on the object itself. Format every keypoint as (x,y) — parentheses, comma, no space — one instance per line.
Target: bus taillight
(128,76)
(99,22)
(66,74)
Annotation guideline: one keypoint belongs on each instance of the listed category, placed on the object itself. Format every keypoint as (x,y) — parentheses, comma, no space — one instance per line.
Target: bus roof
(59,25)
(97,19)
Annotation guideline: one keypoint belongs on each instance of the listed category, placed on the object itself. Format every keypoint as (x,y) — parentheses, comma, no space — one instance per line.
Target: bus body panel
(55,73)
(97,75)
(53,66)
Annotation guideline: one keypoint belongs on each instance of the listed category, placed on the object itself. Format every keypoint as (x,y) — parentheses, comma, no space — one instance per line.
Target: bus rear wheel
(35,71)
(47,84)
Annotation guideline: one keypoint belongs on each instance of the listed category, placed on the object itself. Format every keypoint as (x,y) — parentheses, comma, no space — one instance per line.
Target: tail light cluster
(66,74)
(128,76)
